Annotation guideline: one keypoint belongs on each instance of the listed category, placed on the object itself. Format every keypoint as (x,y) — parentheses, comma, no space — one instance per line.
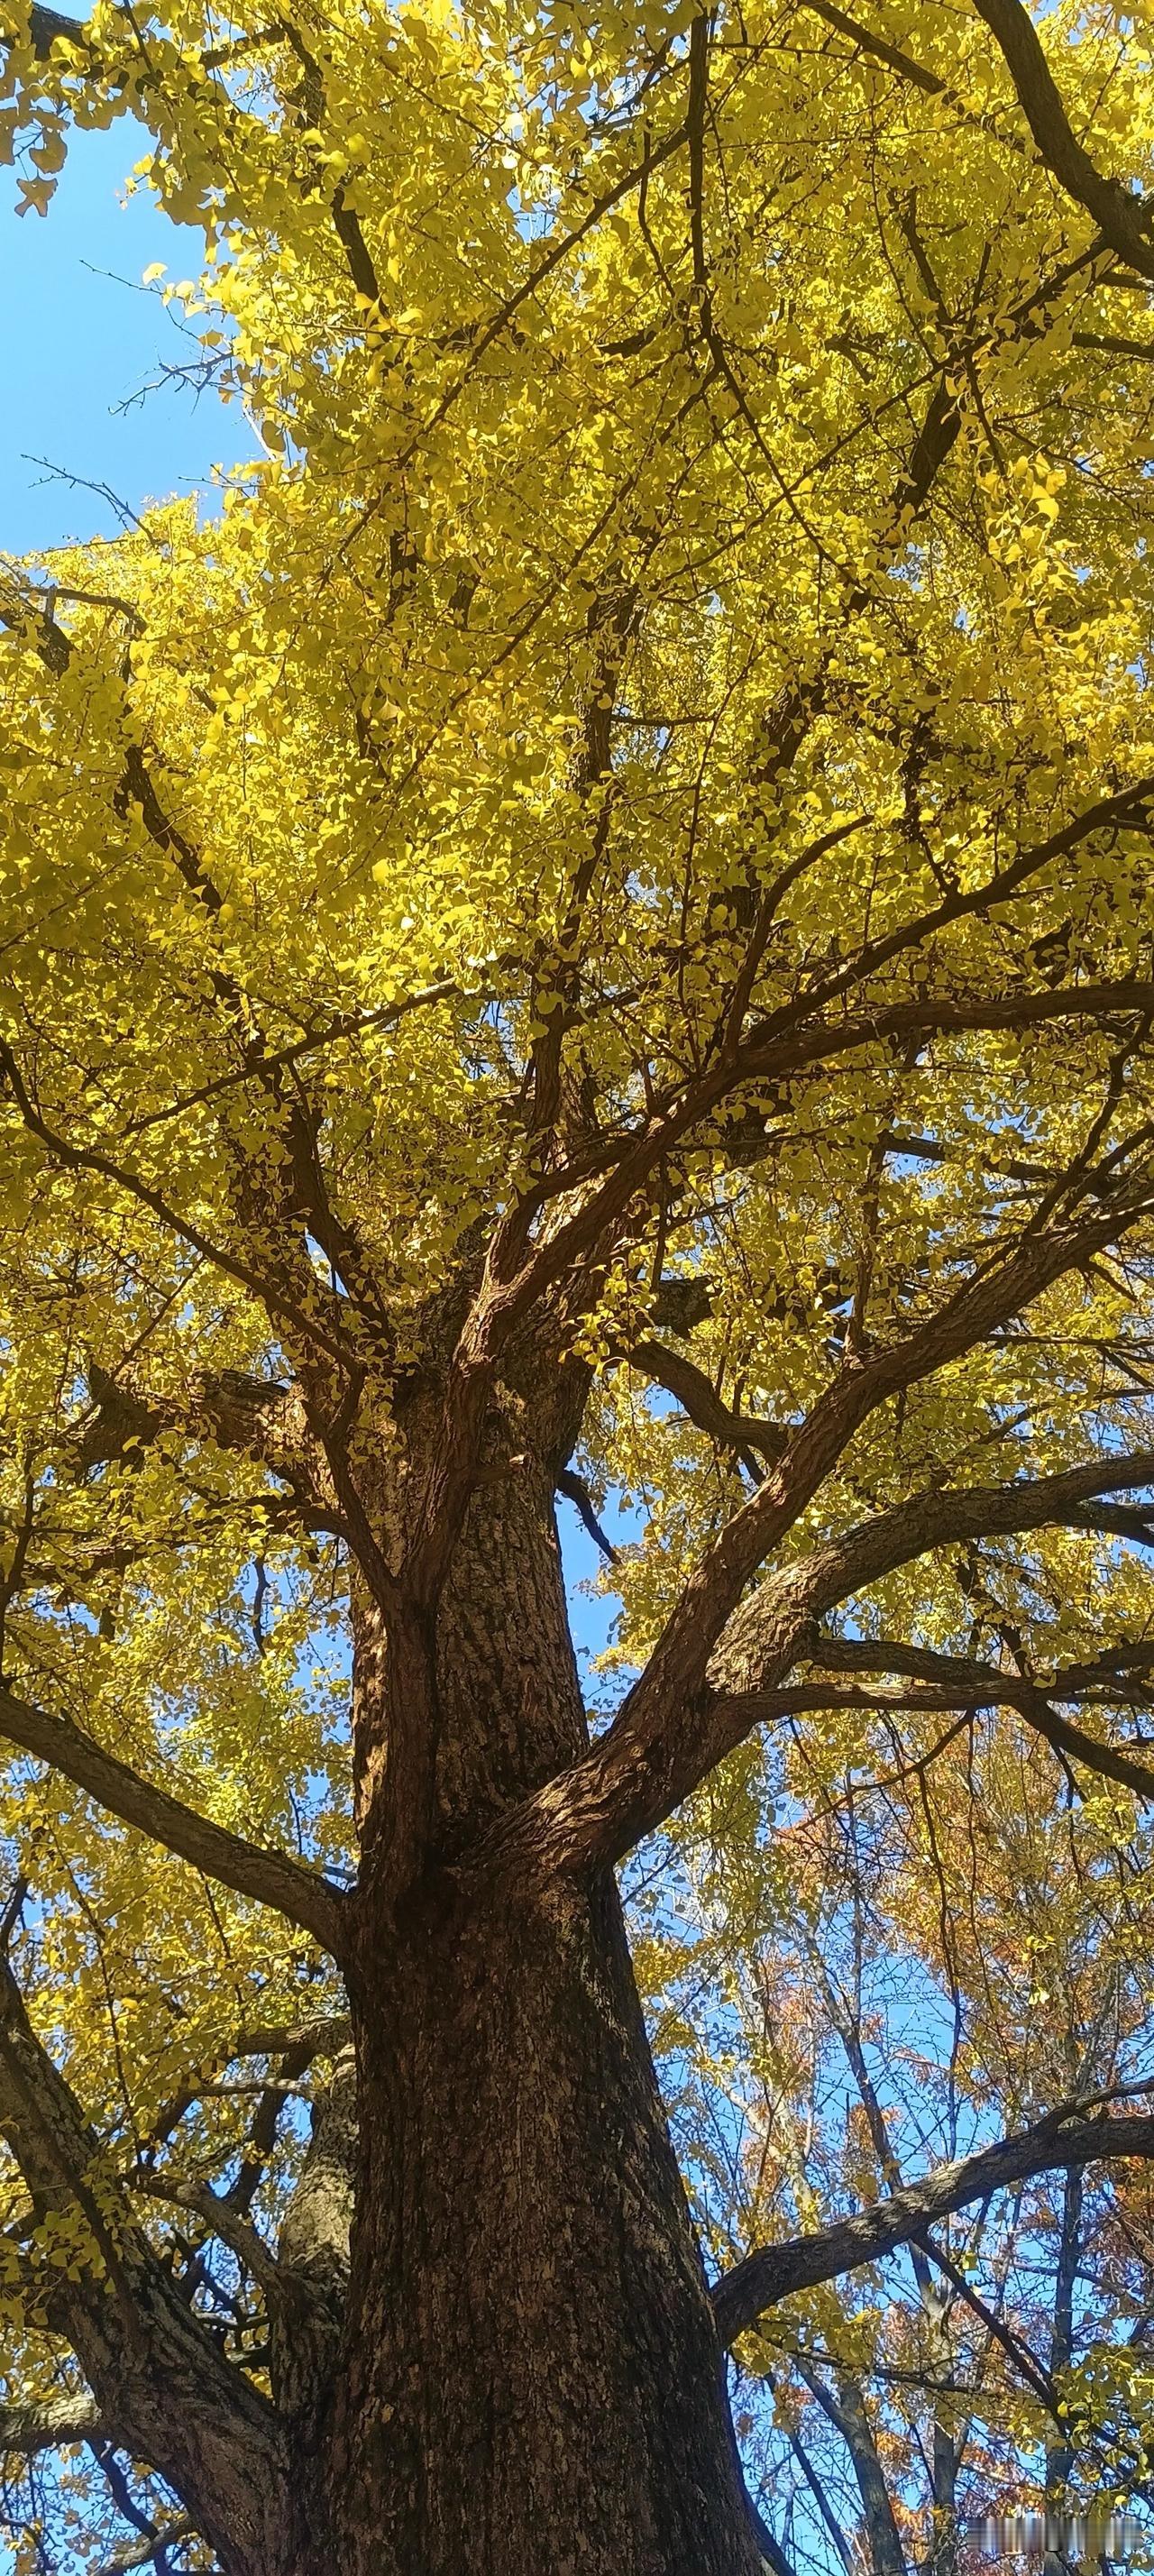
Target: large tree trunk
(531,2380)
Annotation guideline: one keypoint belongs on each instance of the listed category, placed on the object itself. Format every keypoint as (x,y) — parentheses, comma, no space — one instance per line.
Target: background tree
(910,2404)
(591,932)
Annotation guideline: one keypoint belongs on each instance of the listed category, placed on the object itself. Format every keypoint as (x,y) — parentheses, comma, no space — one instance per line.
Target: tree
(931,1947)
(590,931)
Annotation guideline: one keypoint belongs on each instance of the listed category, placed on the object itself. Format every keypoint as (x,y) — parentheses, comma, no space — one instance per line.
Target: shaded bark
(161,2389)
(514,2362)
(531,2376)
(313,2258)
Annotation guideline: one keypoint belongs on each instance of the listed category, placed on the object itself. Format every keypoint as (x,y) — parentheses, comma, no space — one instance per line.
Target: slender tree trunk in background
(887,2557)
(944,2555)
(1059,2455)
(531,2379)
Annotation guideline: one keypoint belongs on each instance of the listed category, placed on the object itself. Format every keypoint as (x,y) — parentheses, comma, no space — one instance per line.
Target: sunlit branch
(681,1377)
(674,1728)
(238,2233)
(268,1877)
(775,2271)
(1123,219)
(49,2424)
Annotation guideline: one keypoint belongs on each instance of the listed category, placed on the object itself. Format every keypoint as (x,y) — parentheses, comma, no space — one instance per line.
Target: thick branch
(46,24)
(638,1771)
(148,2551)
(847,2412)
(297,2044)
(234,2230)
(669,1732)
(699,1400)
(258,1417)
(49,2424)
(781,1047)
(163,2390)
(1123,220)
(328,2036)
(843,1566)
(519,1271)
(269,1877)
(774,2271)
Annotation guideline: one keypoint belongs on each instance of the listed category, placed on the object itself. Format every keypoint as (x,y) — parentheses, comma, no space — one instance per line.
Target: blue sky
(80,337)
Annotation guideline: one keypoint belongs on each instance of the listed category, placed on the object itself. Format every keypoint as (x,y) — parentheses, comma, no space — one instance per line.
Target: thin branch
(783,1046)
(576,1491)
(163,2388)
(235,2231)
(670,1731)
(149,2551)
(297,2043)
(519,1269)
(1016,2352)
(744,1432)
(86,1158)
(940,1682)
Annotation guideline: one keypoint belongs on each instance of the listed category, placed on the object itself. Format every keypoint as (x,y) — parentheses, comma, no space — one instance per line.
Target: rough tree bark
(531,2377)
